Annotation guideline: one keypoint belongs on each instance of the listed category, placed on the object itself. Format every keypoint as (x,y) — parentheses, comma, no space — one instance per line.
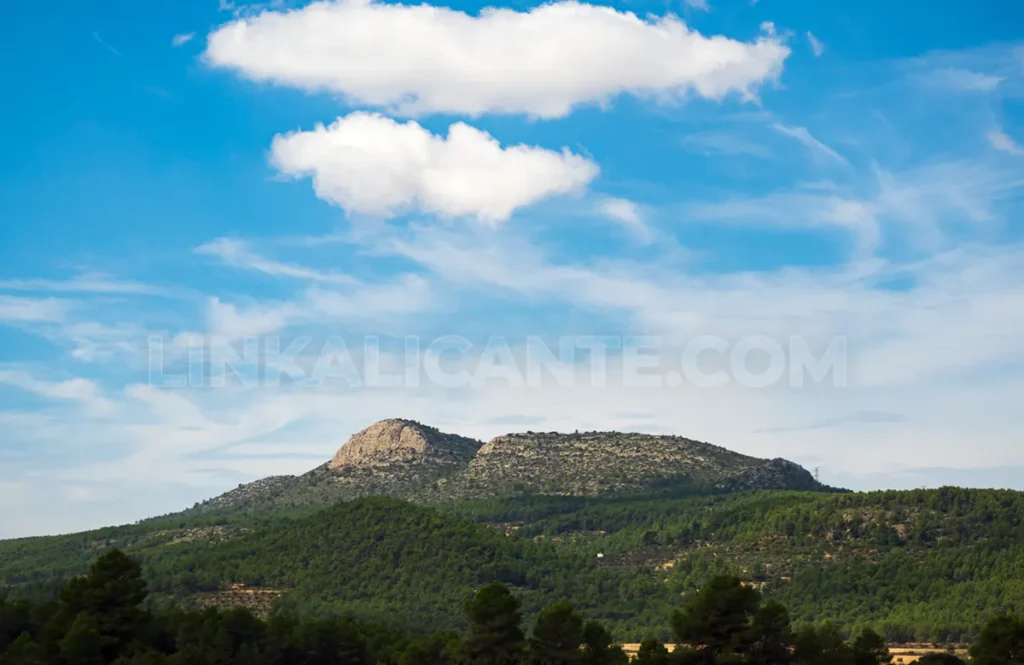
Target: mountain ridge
(409,460)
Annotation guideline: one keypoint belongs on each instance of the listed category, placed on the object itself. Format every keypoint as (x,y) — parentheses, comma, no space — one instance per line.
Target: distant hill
(918,565)
(405,521)
(409,460)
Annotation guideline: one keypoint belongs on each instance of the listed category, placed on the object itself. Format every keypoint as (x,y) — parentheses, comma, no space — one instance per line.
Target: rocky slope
(409,460)
(593,463)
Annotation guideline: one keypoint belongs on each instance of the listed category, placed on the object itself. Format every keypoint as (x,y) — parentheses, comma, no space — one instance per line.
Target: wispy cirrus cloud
(956,79)
(84,283)
(371,304)
(82,391)
(628,214)
(182,39)
(237,254)
(817,47)
(804,136)
(105,44)
(856,418)
(1003,142)
(725,142)
(17,309)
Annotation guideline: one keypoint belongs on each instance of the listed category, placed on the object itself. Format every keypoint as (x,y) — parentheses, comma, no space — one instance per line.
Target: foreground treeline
(100,619)
(917,566)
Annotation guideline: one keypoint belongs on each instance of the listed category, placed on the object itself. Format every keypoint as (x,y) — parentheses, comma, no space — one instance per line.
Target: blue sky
(205,173)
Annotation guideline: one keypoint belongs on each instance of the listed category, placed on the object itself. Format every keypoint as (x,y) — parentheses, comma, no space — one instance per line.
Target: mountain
(623,524)
(408,460)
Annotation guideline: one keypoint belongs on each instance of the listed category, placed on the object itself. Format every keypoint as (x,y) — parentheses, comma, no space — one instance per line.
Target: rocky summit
(409,460)
(396,441)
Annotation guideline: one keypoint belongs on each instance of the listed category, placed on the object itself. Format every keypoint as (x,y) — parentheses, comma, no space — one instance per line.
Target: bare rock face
(775,474)
(408,460)
(396,441)
(588,463)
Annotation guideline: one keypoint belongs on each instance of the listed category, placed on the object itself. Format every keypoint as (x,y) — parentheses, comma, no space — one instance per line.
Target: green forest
(924,565)
(101,618)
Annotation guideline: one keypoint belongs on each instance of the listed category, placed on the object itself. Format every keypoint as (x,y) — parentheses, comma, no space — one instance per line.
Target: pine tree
(716,621)
(870,649)
(599,648)
(111,594)
(557,636)
(23,651)
(771,635)
(1001,643)
(81,644)
(652,652)
(494,636)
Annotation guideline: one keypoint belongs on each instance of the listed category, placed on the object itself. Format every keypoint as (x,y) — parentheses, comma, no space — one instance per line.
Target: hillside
(412,461)
(925,565)
(405,521)
(385,560)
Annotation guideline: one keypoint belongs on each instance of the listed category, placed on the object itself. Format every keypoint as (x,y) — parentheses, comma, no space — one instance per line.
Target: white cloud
(802,135)
(181,40)
(105,44)
(795,210)
(15,309)
(83,391)
(968,300)
(924,207)
(227,321)
(237,254)
(1001,141)
(389,55)
(816,45)
(628,214)
(405,294)
(724,143)
(370,164)
(84,283)
(957,79)
(93,342)
(700,5)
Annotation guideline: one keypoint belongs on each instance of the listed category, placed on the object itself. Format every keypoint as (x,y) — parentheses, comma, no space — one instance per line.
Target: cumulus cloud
(424,59)
(181,40)
(370,164)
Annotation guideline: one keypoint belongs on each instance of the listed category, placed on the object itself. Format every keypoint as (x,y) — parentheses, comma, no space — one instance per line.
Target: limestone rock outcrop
(396,441)
(408,460)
